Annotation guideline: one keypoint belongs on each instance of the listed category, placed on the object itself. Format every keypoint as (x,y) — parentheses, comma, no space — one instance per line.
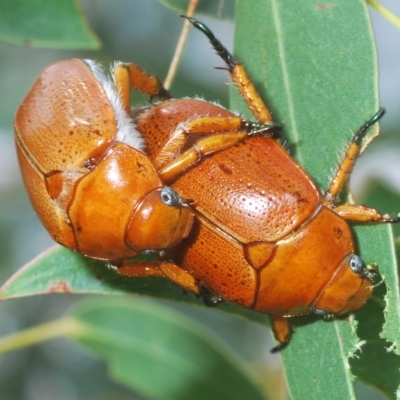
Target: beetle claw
(279,348)
(269,129)
(319,312)
(210,299)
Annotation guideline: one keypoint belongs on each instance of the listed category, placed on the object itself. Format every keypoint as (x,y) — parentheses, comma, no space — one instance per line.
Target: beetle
(86,170)
(212,195)
(264,236)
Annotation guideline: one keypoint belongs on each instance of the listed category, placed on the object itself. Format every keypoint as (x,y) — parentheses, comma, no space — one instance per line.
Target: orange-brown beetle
(86,172)
(264,236)
(240,217)
(86,175)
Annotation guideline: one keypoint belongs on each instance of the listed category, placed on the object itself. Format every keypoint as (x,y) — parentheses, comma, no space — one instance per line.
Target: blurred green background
(146,33)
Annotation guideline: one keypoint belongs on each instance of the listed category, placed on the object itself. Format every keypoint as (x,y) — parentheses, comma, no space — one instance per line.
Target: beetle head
(160,220)
(347,290)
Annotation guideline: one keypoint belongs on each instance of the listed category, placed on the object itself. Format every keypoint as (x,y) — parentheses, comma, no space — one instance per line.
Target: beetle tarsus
(391,220)
(279,348)
(218,46)
(163,94)
(210,299)
(256,129)
(366,125)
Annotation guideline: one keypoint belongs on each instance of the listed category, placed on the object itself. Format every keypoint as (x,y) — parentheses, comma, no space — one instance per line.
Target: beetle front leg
(222,133)
(127,75)
(163,269)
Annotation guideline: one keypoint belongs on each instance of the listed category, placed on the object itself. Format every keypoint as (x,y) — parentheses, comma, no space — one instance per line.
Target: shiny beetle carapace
(219,201)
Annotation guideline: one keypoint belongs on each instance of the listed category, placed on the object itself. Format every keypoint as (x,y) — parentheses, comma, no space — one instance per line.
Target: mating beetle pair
(214,196)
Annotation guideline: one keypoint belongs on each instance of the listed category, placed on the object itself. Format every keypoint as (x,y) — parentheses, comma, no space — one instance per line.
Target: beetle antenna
(218,46)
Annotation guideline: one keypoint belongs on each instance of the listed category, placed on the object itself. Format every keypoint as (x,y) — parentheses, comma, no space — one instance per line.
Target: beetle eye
(356,264)
(169,197)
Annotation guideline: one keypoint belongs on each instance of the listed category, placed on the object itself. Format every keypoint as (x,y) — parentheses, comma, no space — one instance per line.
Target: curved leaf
(161,354)
(59,270)
(150,349)
(378,366)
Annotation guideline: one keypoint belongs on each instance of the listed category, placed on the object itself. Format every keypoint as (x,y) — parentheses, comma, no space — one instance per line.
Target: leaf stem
(51,330)
(385,12)
(180,45)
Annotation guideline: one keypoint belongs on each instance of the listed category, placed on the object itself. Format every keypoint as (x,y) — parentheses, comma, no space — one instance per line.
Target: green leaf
(318,351)
(376,365)
(55,24)
(59,270)
(322,84)
(220,8)
(161,354)
(150,349)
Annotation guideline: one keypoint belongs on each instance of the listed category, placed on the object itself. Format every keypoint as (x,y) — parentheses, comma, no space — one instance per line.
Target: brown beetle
(251,219)
(264,236)
(84,165)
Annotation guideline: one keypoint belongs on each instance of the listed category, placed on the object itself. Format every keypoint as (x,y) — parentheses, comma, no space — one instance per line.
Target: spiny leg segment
(351,155)
(355,212)
(127,75)
(238,74)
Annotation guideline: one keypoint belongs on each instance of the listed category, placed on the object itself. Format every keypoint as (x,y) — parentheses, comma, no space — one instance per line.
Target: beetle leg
(282,332)
(349,159)
(204,146)
(360,213)
(164,269)
(200,125)
(127,75)
(226,132)
(238,74)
